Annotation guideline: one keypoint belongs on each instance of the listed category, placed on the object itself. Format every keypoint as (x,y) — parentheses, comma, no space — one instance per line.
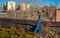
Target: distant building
(8,6)
(5,6)
(24,6)
(57,15)
(18,7)
(1,10)
(51,11)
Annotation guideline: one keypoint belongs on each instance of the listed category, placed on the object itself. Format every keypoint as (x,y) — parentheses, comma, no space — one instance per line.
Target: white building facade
(9,6)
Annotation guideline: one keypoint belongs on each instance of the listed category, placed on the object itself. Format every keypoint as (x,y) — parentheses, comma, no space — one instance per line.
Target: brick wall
(58,15)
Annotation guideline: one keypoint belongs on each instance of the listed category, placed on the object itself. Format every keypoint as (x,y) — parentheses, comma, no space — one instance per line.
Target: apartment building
(9,6)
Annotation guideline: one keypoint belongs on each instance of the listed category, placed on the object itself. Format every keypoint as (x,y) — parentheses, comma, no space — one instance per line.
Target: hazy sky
(34,2)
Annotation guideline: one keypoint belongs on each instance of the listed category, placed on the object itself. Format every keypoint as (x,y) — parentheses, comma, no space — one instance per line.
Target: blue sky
(35,2)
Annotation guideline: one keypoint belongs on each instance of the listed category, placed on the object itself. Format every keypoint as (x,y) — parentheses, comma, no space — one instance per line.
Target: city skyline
(40,3)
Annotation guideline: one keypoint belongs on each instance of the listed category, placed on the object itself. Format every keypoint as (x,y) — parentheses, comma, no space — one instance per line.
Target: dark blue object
(38,26)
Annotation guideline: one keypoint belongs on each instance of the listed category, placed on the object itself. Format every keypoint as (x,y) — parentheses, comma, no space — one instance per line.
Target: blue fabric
(38,26)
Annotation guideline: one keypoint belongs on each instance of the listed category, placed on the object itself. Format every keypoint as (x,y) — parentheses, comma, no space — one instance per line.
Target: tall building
(57,14)
(51,11)
(5,6)
(10,6)
(25,6)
